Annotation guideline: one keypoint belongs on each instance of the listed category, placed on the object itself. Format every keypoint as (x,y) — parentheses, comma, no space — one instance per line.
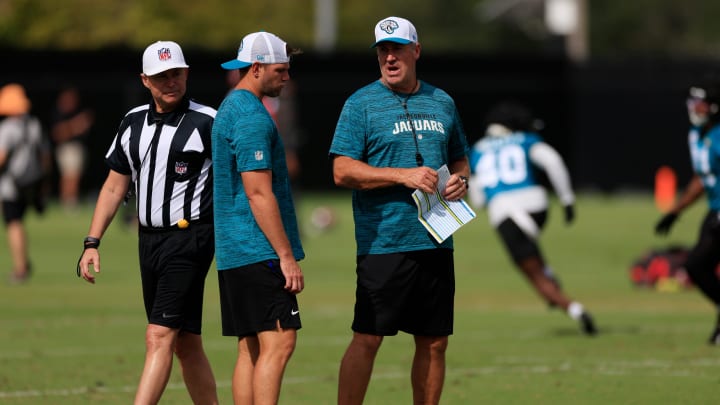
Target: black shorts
(31,195)
(253,299)
(517,243)
(173,266)
(413,292)
(705,255)
(13,210)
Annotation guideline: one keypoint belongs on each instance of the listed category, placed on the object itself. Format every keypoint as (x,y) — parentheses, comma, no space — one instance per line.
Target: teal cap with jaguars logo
(395,29)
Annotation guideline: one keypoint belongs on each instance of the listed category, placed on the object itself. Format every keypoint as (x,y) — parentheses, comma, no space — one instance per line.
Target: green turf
(64,341)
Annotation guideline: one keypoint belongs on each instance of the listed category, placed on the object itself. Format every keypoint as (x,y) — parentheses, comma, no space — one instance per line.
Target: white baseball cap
(162,56)
(262,47)
(395,29)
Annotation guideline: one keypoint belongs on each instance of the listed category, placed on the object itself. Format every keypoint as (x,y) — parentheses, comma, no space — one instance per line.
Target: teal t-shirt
(374,128)
(245,138)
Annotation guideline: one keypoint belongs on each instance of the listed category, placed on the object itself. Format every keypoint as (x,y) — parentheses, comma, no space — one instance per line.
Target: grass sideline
(64,341)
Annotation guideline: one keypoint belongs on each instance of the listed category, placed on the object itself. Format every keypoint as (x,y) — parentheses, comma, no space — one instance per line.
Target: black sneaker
(587,324)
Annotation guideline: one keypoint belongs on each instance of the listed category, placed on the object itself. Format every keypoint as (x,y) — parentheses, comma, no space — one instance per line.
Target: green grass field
(64,341)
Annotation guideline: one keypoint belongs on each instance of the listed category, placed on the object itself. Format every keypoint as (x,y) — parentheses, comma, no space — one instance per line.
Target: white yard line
(619,368)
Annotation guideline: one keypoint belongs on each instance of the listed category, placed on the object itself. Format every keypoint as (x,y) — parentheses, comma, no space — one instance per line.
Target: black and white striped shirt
(169,157)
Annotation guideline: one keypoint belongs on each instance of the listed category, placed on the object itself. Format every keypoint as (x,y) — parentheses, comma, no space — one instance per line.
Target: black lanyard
(418,156)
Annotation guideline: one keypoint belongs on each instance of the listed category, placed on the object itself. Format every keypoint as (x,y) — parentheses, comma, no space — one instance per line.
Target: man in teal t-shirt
(391,138)
(256,232)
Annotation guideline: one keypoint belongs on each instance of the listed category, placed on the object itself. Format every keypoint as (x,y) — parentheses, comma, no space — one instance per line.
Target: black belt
(176,227)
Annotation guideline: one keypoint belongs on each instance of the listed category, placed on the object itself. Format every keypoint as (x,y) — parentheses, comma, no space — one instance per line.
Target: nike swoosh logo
(166,316)
(293,312)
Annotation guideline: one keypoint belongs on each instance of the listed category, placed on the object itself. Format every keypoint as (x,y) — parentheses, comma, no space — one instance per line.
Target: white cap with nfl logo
(162,56)
(262,47)
(395,29)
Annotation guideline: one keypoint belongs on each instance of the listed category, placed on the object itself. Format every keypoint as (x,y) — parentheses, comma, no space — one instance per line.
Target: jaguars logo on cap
(389,26)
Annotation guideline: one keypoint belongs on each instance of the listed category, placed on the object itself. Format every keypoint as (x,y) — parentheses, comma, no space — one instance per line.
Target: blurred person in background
(283,110)
(391,138)
(703,104)
(24,162)
(163,150)
(258,241)
(71,123)
(505,166)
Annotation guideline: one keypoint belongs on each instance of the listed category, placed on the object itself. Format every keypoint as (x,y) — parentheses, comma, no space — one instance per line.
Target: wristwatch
(91,243)
(464,180)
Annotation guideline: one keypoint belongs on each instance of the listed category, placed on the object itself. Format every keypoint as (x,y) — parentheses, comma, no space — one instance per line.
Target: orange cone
(665,188)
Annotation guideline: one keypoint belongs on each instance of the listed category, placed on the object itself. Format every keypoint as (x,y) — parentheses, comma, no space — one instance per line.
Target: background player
(504,166)
(703,105)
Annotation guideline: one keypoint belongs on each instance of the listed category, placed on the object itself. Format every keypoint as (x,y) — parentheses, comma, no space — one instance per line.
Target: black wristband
(91,243)
(88,243)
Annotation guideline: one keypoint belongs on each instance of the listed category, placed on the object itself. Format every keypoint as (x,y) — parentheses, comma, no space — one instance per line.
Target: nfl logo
(164,54)
(181,167)
(258,155)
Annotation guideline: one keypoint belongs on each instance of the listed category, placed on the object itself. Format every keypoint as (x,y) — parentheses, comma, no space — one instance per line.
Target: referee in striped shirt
(163,149)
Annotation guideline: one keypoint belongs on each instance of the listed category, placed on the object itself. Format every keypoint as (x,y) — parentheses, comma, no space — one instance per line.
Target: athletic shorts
(705,255)
(13,210)
(30,196)
(70,157)
(253,299)
(517,243)
(173,267)
(413,292)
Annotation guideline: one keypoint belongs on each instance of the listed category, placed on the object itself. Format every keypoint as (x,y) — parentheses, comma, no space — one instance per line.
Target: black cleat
(587,324)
